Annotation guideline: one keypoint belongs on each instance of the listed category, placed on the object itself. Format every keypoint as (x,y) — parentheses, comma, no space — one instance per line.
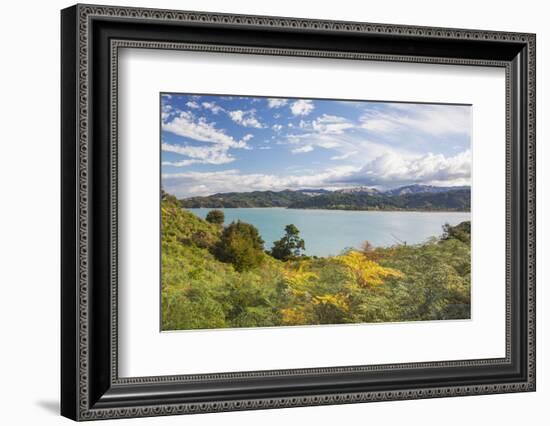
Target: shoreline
(333,210)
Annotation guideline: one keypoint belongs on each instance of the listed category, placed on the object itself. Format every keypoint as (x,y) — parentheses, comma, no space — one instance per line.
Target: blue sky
(217,143)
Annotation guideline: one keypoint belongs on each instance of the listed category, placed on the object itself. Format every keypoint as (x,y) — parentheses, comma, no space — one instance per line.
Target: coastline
(334,209)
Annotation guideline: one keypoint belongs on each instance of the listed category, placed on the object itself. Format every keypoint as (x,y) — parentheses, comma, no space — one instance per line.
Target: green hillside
(458,200)
(246,199)
(448,200)
(401,283)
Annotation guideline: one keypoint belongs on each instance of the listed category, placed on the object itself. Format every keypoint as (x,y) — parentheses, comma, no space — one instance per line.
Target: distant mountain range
(411,197)
(418,189)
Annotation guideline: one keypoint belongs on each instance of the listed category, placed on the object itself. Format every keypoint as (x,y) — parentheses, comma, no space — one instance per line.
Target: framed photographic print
(263,212)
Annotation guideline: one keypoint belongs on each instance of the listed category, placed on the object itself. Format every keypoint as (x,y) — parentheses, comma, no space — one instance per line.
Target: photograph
(298,212)
(264,209)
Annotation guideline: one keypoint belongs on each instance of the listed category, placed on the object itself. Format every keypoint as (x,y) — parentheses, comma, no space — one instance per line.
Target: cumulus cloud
(245,118)
(217,142)
(302,107)
(386,171)
(392,169)
(381,145)
(276,102)
(212,106)
(186,125)
(206,183)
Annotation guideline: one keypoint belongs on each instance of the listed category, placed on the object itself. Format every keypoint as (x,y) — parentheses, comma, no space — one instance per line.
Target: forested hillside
(407,198)
(219,275)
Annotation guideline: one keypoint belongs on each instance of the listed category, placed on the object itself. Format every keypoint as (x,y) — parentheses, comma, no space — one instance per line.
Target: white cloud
(328,143)
(312,139)
(331,124)
(245,118)
(166,112)
(207,183)
(392,169)
(181,163)
(276,102)
(198,154)
(212,107)
(277,127)
(302,149)
(199,129)
(193,104)
(343,156)
(302,107)
(386,171)
(436,120)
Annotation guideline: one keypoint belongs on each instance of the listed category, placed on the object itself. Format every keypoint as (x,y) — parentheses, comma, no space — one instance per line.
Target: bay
(329,232)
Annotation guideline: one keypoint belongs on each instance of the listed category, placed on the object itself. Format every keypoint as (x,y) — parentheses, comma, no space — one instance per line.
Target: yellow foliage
(293,316)
(365,272)
(340,301)
(298,279)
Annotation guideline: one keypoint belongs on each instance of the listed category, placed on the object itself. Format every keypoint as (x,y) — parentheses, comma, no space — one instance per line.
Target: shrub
(202,239)
(216,217)
(460,232)
(241,245)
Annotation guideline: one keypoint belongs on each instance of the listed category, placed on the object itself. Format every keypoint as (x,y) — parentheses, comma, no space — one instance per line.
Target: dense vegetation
(458,200)
(246,199)
(406,198)
(208,283)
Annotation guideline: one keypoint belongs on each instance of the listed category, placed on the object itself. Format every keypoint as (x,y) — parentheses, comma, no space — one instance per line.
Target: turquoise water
(328,232)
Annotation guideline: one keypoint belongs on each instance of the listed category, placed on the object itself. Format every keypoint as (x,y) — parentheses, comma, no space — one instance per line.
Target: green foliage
(241,245)
(290,246)
(216,217)
(448,200)
(245,199)
(461,232)
(435,283)
(457,200)
(429,281)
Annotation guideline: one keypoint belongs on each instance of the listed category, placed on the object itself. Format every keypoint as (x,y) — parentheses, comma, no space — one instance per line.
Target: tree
(241,245)
(460,232)
(290,246)
(216,217)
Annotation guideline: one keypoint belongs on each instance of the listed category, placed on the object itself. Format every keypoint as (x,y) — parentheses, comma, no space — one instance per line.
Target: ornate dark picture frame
(91,37)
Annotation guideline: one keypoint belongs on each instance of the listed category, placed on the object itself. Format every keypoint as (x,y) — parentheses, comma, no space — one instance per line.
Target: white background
(29,225)
(190,352)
